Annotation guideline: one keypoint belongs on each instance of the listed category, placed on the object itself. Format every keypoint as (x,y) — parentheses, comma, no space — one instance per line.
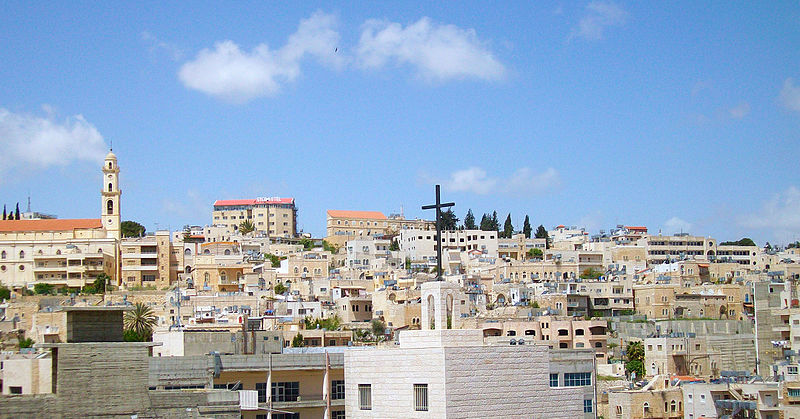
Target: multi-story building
(421,244)
(68,253)
(661,248)
(274,217)
(517,247)
(150,261)
(699,356)
(343,226)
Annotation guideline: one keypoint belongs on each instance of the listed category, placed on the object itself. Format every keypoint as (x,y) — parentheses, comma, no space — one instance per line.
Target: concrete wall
(34,376)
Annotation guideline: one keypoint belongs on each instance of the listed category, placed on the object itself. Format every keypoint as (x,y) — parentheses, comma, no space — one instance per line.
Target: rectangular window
(421,397)
(285,391)
(15,390)
(365,396)
(576,379)
(792,370)
(587,406)
(262,392)
(337,414)
(337,390)
(554,380)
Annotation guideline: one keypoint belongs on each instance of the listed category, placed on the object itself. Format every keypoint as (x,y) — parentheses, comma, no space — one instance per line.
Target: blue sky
(677,116)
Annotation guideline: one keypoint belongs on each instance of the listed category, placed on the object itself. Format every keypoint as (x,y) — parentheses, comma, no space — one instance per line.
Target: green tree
(274,260)
(378,328)
(307,243)
(469,221)
(535,253)
(5,293)
(534,304)
(25,342)
(449,220)
(394,246)
(5,216)
(43,288)
(16,213)
(745,241)
(140,321)
(246,227)
(407,263)
(634,355)
(329,247)
(486,222)
(131,229)
(297,341)
(526,228)
(541,233)
(508,228)
(495,222)
(280,288)
(591,273)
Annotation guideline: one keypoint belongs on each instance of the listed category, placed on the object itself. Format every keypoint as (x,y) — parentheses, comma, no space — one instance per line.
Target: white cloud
(522,181)
(790,95)
(780,213)
(740,111)
(172,50)
(29,140)
(437,51)
(599,16)
(228,73)
(676,225)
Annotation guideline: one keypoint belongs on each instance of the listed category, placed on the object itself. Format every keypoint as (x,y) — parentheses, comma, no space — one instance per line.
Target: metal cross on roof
(438,206)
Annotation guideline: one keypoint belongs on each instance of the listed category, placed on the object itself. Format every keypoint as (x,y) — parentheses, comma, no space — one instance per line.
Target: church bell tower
(110,211)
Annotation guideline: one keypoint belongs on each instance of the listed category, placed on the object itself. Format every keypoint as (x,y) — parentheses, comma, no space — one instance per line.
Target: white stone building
(443,373)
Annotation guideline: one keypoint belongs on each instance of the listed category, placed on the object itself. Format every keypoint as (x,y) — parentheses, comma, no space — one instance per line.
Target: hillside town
(386,317)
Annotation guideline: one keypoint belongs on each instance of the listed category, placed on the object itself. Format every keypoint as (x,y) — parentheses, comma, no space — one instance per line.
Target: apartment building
(661,248)
(517,247)
(668,301)
(557,266)
(421,244)
(370,255)
(699,356)
(343,226)
(273,216)
(150,261)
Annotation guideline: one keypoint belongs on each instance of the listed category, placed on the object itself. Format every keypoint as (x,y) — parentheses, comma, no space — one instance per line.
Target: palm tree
(140,320)
(246,227)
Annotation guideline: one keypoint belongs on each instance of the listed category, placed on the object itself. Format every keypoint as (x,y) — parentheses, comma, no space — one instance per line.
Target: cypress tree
(4,213)
(16,213)
(526,228)
(508,228)
(469,220)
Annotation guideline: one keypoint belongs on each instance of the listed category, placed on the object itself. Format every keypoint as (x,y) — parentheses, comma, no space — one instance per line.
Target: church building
(66,253)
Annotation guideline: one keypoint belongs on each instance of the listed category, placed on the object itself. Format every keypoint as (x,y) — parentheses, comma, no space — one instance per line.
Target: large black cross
(438,206)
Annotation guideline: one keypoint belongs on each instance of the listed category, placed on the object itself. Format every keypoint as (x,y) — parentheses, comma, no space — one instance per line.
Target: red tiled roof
(374,215)
(49,225)
(636,228)
(236,202)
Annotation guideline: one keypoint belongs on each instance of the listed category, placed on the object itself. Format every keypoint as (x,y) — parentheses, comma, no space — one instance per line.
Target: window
(794,392)
(110,207)
(792,370)
(554,380)
(337,390)
(365,396)
(646,408)
(285,391)
(262,392)
(337,414)
(421,397)
(21,254)
(3,254)
(574,379)
(15,390)
(587,406)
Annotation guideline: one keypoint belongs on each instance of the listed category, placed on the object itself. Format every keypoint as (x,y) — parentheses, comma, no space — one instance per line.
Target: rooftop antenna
(29,201)
(402,216)
(110,145)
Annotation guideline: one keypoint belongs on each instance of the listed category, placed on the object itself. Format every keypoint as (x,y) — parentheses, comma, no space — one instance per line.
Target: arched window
(206,277)
(187,252)
(110,187)
(40,252)
(58,252)
(645,408)
(672,406)
(99,250)
(296,270)
(223,277)
(3,254)
(598,344)
(305,269)
(21,254)
(110,207)
(578,332)
(227,252)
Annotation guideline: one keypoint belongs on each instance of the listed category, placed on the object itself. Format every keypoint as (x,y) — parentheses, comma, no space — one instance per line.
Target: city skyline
(590,114)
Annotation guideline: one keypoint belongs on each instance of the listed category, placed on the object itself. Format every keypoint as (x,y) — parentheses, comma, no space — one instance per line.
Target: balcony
(309,400)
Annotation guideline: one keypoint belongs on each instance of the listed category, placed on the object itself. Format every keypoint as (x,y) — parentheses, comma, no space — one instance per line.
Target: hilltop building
(273,216)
